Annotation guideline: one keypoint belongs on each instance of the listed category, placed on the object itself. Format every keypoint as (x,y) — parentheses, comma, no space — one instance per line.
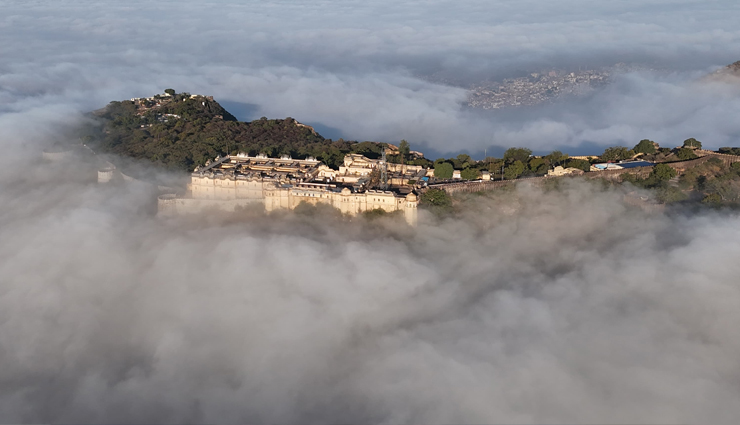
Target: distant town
(539,87)
(535,88)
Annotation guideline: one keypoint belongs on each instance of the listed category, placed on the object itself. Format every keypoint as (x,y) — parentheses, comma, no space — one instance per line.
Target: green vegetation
(470,174)
(514,170)
(581,164)
(556,158)
(199,129)
(179,131)
(684,154)
(443,170)
(729,151)
(616,153)
(517,154)
(404,149)
(436,200)
(658,177)
(662,173)
(379,213)
(714,182)
(645,146)
(692,143)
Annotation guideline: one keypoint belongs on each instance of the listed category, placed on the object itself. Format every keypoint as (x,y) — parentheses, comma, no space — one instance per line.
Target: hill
(181,131)
(730,73)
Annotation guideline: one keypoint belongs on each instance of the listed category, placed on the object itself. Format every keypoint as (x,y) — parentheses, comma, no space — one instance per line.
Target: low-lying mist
(528,306)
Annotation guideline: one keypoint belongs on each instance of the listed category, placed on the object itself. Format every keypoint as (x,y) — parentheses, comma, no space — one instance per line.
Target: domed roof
(346,191)
(411,197)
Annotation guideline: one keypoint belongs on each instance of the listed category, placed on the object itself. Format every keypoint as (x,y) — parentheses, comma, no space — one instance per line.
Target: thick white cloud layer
(574,309)
(350,65)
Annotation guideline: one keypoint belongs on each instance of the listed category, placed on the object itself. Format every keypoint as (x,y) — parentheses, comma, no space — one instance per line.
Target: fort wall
(52,156)
(480,186)
(171,205)
(225,193)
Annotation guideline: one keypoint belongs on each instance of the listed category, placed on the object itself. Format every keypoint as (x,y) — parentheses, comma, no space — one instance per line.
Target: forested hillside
(180,131)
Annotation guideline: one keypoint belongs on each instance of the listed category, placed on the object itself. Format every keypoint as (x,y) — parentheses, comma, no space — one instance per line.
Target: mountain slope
(182,131)
(730,73)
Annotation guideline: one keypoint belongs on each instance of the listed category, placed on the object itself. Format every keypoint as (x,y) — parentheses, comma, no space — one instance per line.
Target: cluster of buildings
(146,104)
(235,181)
(535,88)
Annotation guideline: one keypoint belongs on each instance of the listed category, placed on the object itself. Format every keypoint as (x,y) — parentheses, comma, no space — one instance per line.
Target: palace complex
(282,183)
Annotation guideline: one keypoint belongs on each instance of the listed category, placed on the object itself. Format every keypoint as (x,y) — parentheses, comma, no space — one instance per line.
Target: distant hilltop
(729,73)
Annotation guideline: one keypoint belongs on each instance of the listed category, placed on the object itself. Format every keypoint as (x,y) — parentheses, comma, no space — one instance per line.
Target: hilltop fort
(283,183)
(282,163)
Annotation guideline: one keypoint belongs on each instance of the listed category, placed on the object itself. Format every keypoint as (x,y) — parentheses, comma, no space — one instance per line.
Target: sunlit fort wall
(228,191)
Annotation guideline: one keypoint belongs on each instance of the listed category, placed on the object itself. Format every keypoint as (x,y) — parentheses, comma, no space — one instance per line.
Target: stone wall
(226,194)
(56,156)
(171,205)
(480,186)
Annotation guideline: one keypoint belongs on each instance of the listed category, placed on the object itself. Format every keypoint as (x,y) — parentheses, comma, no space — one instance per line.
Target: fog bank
(362,69)
(531,307)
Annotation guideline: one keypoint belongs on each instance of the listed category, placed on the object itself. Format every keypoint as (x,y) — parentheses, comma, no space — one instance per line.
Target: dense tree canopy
(685,153)
(663,172)
(581,164)
(692,143)
(645,146)
(556,158)
(187,132)
(470,174)
(436,200)
(443,170)
(514,170)
(517,154)
(616,153)
(729,151)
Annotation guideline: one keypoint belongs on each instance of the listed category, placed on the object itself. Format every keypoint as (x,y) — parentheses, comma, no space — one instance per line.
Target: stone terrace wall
(474,186)
(614,174)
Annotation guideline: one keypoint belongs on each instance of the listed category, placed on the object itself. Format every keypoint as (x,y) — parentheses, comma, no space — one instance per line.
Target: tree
(556,158)
(538,165)
(405,149)
(685,153)
(581,164)
(712,199)
(469,174)
(170,92)
(645,146)
(670,194)
(729,151)
(517,154)
(443,170)
(436,198)
(692,143)
(514,170)
(662,172)
(463,158)
(616,153)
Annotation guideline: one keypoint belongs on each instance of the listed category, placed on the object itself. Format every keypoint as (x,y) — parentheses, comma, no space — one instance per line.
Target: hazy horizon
(359,68)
